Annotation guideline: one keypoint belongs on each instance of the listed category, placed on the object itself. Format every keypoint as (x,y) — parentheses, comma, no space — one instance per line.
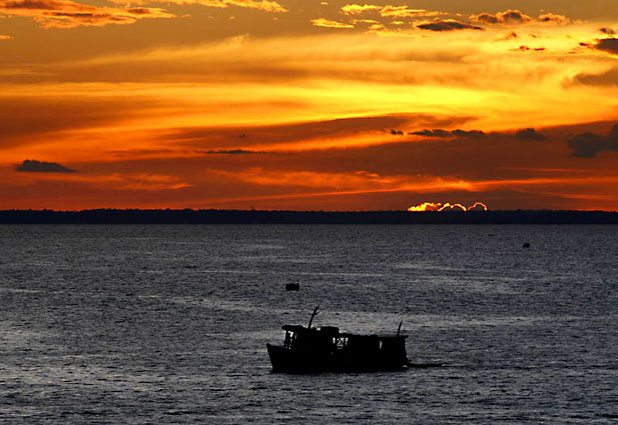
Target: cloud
(263,5)
(359,181)
(404,12)
(508,17)
(469,134)
(312,179)
(144,182)
(356,9)
(5,37)
(609,45)
(289,136)
(526,133)
(34,166)
(529,134)
(608,31)
(524,48)
(607,78)
(446,25)
(232,152)
(433,133)
(59,112)
(445,133)
(69,14)
(389,11)
(133,181)
(516,17)
(327,23)
(587,145)
(553,18)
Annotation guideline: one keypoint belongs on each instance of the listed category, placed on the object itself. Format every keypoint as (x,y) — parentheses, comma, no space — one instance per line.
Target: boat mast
(315,313)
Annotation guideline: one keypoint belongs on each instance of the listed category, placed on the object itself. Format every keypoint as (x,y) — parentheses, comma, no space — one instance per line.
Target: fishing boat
(325,349)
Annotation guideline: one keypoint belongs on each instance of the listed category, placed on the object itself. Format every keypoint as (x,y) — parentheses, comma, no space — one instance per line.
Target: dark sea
(169,324)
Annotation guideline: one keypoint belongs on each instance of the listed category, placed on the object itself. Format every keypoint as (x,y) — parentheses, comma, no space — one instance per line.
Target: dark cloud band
(34,166)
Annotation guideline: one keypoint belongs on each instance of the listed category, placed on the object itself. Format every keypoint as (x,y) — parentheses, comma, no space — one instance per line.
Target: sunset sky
(308,105)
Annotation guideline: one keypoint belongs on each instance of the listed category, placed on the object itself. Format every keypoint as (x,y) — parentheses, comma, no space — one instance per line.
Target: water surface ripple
(168,324)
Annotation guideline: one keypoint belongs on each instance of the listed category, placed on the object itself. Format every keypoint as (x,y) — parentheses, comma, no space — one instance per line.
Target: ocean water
(168,324)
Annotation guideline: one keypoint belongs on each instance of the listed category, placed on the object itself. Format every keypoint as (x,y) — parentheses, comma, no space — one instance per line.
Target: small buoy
(526,245)
(292,286)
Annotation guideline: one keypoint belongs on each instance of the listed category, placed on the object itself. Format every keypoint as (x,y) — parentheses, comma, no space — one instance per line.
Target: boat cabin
(361,350)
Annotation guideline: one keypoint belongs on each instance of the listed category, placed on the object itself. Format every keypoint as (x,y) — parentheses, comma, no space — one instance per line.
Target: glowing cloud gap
(451,207)
(425,206)
(430,206)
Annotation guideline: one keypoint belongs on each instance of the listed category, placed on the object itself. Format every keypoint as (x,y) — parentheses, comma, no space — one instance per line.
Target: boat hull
(285,360)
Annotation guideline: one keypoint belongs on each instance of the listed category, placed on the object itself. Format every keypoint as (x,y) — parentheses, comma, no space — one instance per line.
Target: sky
(308,105)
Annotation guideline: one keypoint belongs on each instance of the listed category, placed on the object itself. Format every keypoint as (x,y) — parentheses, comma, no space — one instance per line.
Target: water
(168,324)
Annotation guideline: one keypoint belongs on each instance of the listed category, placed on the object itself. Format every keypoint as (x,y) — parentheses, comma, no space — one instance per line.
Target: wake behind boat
(311,350)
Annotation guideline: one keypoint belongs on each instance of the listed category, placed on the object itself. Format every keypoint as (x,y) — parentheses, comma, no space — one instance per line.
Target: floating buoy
(526,245)
(292,287)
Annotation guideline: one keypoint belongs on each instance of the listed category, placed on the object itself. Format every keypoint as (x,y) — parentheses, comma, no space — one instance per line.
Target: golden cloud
(69,14)
(516,17)
(355,9)
(389,11)
(327,23)
(404,12)
(263,5)
(553,18)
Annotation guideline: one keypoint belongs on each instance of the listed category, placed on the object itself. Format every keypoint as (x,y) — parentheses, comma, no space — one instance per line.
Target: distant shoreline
(188,216)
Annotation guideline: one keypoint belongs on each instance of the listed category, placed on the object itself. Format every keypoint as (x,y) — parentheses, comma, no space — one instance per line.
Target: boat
(326,349)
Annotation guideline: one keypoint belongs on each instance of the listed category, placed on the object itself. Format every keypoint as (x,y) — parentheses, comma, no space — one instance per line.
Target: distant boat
(313,350)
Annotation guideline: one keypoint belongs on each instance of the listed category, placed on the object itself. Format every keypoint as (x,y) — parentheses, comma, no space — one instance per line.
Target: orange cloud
(327,23)
(263,5)
(356,9)
(515,17)
(113,181)
(404,12)
(507,17)
(69,14)
(312,179)
(389,11)
(345,182)
(553,18)
(5,37)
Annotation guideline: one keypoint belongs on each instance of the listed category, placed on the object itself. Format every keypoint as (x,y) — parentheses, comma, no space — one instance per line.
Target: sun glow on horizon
(431,206)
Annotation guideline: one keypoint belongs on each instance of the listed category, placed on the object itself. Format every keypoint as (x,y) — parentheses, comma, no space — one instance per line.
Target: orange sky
(294,104)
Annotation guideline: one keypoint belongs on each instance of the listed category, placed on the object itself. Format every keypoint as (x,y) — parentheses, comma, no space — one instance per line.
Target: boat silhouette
(326,349)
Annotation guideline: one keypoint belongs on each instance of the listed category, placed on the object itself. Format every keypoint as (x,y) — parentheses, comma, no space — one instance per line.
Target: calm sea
(168,324)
